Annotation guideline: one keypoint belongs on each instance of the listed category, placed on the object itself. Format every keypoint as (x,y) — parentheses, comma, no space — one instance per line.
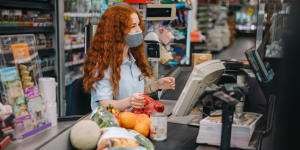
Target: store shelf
(72,63)
(25,60)
(42,50)
(74,14)
(67,83)
(25,30)
(25,5)
(180,41)
(70,47)
(183,5)
(47,69)
(47,49)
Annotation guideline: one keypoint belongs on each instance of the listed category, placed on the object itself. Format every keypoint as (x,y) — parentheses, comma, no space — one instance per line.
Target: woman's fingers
(137,104)
(137,101)
(171,82)
(139,107)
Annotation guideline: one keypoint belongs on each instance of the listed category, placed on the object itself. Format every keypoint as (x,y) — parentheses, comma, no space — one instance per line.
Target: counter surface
(180,137)
(35,141)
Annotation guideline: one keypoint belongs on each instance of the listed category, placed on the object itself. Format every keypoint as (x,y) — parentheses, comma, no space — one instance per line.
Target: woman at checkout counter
(116,66)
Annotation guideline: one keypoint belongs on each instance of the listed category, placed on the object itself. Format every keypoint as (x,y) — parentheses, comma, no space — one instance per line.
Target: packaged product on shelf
(28,77)
(40,41)
(165,36)
(13,90)
(37,109)
(16,17)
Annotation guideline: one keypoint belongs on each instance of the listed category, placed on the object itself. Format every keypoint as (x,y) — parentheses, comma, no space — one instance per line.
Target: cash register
(203,76)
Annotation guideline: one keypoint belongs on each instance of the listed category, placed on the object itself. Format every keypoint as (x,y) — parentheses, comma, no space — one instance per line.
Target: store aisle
(236,51)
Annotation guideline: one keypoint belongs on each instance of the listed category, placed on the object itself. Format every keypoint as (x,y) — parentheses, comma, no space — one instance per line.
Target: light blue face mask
(134,39)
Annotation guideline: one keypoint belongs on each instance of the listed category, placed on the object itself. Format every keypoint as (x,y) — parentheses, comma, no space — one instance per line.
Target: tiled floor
(236,51)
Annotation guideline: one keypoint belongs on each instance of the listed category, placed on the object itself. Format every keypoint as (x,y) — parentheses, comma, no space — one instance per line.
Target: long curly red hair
(107,47)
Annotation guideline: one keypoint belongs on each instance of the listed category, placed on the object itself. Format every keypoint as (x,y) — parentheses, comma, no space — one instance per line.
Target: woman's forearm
(121,104)
(149,88)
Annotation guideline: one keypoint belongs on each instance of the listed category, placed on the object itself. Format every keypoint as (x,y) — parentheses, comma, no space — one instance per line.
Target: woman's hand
(137,100)
(165,83)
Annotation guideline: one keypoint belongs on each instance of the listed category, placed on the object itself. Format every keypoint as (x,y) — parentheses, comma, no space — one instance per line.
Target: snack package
(115,138)
(104,118)
(151,106)
(142,140)
(114,111)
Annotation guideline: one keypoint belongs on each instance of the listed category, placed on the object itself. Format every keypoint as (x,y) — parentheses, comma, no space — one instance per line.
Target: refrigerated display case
(76,15)
(38,17)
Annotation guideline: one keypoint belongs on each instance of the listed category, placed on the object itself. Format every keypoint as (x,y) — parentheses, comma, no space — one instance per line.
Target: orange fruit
(143,118)
(127,120)
(142,128)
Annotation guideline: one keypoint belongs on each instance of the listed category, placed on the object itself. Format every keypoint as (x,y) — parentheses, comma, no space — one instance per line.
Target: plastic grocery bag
(115,138)
(142,140)
(151,106)
(104,118)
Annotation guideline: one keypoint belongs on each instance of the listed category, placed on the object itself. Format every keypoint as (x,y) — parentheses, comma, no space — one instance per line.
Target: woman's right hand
(137,100)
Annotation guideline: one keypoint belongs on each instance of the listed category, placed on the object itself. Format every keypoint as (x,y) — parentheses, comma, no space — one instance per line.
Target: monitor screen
(202,76)
(159,12)
(259,68)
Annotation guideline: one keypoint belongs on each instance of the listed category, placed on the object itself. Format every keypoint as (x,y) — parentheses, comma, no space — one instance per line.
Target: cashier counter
(181,135)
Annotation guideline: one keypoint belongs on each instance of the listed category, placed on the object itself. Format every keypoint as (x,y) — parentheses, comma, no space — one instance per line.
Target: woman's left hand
(166,83)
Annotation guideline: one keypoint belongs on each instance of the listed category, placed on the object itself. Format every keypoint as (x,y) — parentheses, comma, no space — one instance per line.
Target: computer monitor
(263,74)
(155,12)
(202,76)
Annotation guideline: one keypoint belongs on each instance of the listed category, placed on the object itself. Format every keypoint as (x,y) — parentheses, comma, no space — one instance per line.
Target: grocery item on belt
(104,118)
(115,111)
(151,106)
(137,122)
(85,134)
(115,138)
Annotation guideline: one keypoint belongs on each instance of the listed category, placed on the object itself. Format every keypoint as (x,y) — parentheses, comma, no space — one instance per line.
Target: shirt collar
(132,60)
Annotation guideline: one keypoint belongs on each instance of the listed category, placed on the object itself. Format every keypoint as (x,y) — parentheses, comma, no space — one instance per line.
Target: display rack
(50,32)
(20,71)
(271,27)
(75,20)
(76,14)
(203,17)
(204,22)
(182,24)
(47,33)
(27,5)
(71,47)
(25,30)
